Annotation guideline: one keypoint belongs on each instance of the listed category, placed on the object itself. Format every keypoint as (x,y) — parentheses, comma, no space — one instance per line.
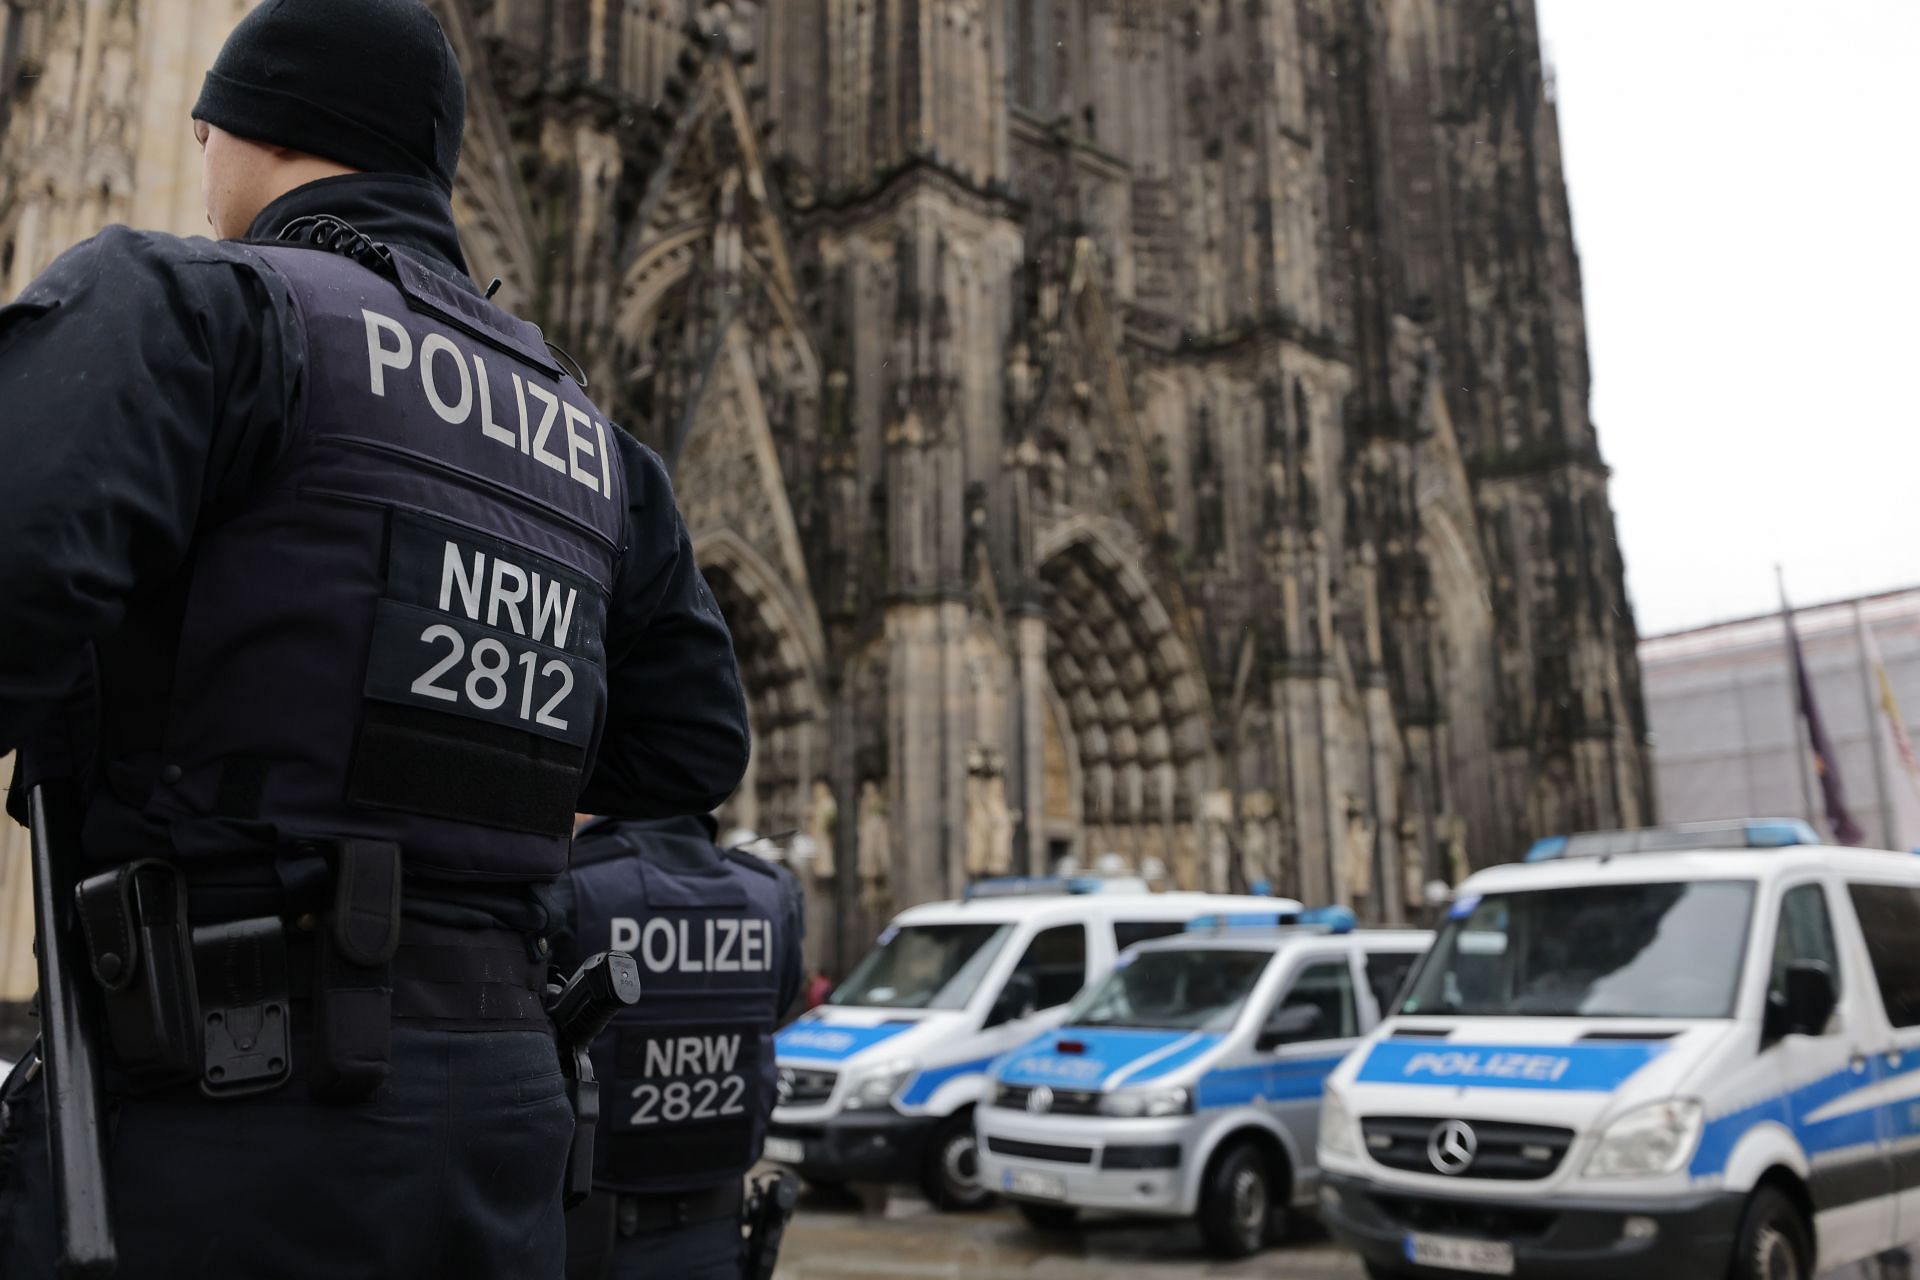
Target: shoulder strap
(740,857)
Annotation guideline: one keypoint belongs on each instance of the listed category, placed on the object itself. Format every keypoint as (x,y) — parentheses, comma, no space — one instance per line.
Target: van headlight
(1647,1142)
(1134,1104)
(876,1086)
(1336,1127)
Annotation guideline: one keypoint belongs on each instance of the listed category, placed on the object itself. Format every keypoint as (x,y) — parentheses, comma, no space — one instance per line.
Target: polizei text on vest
(697,946)
(459,387)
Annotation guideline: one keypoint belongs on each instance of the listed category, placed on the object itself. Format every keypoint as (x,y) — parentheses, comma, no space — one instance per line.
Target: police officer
(335,597)
(687,1074)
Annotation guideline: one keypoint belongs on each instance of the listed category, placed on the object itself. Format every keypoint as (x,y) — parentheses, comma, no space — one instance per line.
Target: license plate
(785,1150)
(1481,1257)
(1040,1186)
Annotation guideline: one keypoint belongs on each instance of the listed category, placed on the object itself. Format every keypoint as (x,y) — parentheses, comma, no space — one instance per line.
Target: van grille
(1040,1151)
(1065,1102)
(803,1087)
(1502,1150)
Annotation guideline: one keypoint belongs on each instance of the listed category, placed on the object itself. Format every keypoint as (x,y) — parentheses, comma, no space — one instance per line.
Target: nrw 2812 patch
(477,627)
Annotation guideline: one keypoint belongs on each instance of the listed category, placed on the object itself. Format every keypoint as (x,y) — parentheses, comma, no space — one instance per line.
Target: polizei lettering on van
(1600,1067)
(1506,1066)
(459,386)
(723,945)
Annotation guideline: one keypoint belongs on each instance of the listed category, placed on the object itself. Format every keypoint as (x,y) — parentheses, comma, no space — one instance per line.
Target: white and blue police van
(1669,1053)
(879,1084)
(1187,1083)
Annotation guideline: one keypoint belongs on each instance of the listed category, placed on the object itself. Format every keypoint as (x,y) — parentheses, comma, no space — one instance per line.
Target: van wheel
(1773,1243)
(1236,1202)
(950,1176)
(1050,1217)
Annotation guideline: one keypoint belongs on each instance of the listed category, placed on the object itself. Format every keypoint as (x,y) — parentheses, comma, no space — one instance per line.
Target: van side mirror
(1017,999)
(1289,1023)
(1808,1005)
(1810,997)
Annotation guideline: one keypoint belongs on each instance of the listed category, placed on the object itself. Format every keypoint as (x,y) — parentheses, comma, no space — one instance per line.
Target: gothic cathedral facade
(1152,427)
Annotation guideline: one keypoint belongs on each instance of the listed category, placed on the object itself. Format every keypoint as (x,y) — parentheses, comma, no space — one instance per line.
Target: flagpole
(1802,753)
(1867,691)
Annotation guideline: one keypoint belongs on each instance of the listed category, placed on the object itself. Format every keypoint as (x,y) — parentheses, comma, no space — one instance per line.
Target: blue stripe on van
(1103,1052)
(926,1083)
(1790,1109)
(828,1042)
(1172,1062)
(1291,1081)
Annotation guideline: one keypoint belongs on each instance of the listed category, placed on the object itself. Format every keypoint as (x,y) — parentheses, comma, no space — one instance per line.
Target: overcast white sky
(1746,197)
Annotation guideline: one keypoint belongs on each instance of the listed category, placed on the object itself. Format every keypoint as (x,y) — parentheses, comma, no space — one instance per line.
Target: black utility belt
(213,1002)
(636,1215)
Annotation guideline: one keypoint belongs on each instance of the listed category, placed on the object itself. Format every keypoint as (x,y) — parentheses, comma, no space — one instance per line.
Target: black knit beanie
(371,84)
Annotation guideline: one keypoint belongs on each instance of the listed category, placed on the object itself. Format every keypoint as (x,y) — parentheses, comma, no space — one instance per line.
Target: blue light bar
(1779,834)
(1240,920)
(1756,833)
(1016,887)
(1043,886)
(1547,848)
(1330,919)
(1333,919)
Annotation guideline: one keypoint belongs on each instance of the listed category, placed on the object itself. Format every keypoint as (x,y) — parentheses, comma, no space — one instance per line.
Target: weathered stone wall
(1110,425)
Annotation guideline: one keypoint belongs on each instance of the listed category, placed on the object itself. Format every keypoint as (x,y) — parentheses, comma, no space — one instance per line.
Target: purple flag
(1844,828)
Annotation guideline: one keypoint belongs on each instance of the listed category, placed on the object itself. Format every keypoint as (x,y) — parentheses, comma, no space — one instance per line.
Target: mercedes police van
(1673,1053)
(879,1083)
(1187,1084)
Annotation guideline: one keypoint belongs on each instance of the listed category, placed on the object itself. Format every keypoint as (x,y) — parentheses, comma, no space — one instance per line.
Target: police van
(879,1084)
(1187,1084)
(1682,1052)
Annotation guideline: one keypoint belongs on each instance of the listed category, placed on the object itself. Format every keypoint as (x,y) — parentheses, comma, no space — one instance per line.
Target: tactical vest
(687,1073)
(399,636)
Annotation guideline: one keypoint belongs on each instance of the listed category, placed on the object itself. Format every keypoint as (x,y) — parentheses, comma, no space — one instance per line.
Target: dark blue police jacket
(687,1073)
(341,551)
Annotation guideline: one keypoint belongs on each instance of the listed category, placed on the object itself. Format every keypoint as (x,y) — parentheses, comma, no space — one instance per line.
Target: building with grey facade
(1720,703)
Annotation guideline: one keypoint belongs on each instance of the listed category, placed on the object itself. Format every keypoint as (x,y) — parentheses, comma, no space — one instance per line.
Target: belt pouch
(140,949)
(353,974)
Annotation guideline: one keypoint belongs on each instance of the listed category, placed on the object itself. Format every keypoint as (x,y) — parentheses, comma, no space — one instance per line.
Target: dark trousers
(709,1251)
(453,1169)
(597,1248)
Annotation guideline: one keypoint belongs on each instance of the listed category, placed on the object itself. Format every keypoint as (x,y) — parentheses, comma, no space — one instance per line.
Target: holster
(140,950)
(213,1002)
(353,973)
(583,1091)
(769,1209)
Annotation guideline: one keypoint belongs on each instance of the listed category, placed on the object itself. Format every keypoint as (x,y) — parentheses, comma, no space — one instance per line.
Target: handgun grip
(602,986)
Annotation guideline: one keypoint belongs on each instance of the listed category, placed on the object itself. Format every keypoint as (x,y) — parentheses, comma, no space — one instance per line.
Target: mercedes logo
(1040,1101)
(1451,1147)
(783,1088)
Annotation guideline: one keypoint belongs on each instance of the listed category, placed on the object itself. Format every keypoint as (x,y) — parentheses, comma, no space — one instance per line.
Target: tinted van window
(1890,920)
(1056,960)
(1128,932)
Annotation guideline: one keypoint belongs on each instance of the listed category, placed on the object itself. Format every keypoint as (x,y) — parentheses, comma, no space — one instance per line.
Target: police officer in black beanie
(334,597)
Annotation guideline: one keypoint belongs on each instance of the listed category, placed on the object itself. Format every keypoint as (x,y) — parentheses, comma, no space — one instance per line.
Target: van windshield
(1200,990)
(1595,951)
(923,966)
